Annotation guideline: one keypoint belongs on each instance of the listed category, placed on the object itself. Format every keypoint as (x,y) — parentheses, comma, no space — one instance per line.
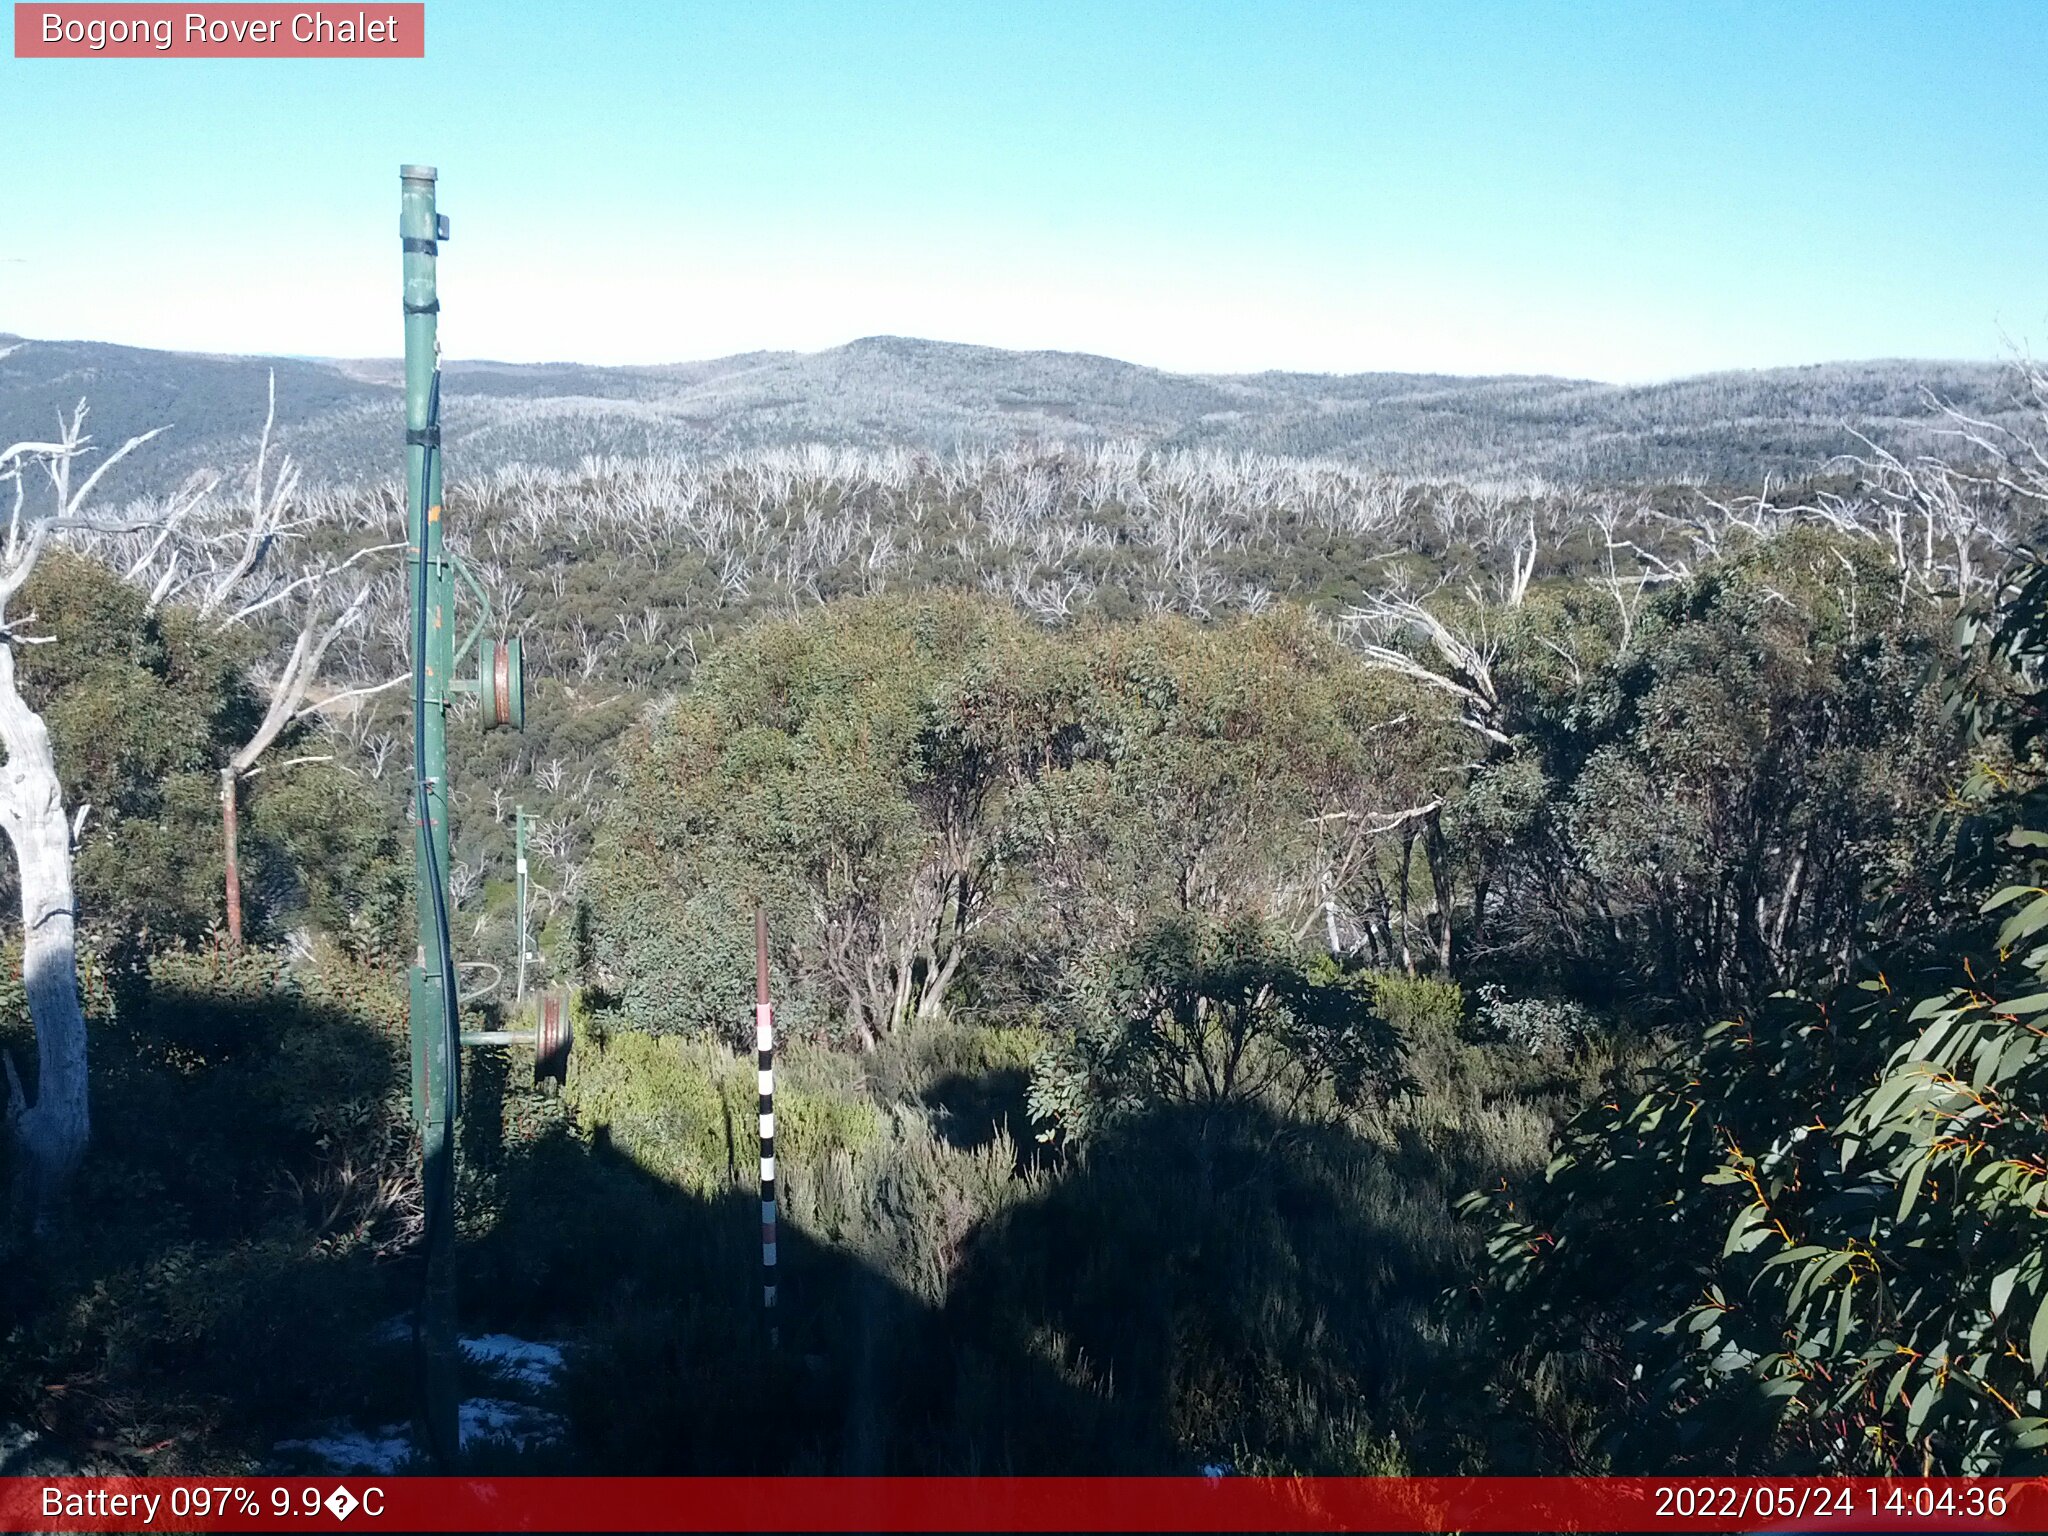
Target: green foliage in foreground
(1212,1280)
(1816,1239)
(685,1110)
(231,1251)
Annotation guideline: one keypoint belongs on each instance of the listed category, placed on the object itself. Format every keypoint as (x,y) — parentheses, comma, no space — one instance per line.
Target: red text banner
(963,1504)
(231,31)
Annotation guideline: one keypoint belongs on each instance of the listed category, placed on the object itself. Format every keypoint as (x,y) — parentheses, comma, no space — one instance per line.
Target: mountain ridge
(336,415)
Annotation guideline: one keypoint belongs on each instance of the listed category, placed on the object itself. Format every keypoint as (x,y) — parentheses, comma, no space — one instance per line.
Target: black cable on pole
(443,1455)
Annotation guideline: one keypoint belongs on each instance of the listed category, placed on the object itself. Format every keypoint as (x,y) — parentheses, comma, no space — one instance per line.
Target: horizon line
(2012,360)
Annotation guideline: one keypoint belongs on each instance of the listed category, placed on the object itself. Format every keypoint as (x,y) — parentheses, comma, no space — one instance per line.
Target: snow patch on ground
(526,1361)
(346,1449)
(526,1365)
(490,1418)
(24,1453)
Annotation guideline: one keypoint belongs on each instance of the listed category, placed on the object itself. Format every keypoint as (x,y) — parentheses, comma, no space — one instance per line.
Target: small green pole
(432,581)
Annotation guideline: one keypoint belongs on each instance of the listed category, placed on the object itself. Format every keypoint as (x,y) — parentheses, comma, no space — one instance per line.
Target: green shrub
(683,1109)
(684,964)
(925,1055)
(810,1126)
(686,1109)
(1199,1011)
(1420,1007)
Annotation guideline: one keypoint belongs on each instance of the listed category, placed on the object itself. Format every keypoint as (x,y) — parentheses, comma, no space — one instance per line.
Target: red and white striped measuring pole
(764,1047)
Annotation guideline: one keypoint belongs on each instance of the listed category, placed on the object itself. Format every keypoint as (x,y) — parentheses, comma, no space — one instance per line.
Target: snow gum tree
(50,1130)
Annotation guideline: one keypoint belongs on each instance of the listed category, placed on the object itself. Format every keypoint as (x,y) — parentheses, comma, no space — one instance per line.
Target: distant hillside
(340,416)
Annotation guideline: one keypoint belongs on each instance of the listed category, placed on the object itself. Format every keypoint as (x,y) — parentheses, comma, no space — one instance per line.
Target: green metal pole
(419,226)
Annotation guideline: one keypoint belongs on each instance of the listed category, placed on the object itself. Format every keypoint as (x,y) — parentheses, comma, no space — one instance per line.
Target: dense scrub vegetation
(1520,983)
(1812,1236)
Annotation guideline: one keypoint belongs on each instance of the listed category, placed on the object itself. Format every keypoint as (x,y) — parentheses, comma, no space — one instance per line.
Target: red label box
(367,29)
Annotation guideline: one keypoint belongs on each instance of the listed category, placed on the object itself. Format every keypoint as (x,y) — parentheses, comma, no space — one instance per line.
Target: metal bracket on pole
(483,617)
(500,681)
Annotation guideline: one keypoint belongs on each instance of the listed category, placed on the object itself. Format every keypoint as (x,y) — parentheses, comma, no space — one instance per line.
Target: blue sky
(1613,191)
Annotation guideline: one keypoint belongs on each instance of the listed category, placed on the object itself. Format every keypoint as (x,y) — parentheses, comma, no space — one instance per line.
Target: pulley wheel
(501,684)
(553,1035)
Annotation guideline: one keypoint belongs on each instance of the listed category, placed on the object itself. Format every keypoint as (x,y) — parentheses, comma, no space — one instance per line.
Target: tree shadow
(487,1078)
(1214,1284)
(970,1111)
(1209,1285)
(235,1232)
(670,1366)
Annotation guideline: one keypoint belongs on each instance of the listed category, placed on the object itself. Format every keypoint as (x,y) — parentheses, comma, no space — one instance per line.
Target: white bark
(50,1133)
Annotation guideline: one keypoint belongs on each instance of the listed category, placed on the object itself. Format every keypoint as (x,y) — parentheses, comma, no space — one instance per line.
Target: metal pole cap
(417,173)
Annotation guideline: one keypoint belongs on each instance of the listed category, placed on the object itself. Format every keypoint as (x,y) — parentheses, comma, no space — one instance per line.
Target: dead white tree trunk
(287,703)
(49,1132)
(243,588)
